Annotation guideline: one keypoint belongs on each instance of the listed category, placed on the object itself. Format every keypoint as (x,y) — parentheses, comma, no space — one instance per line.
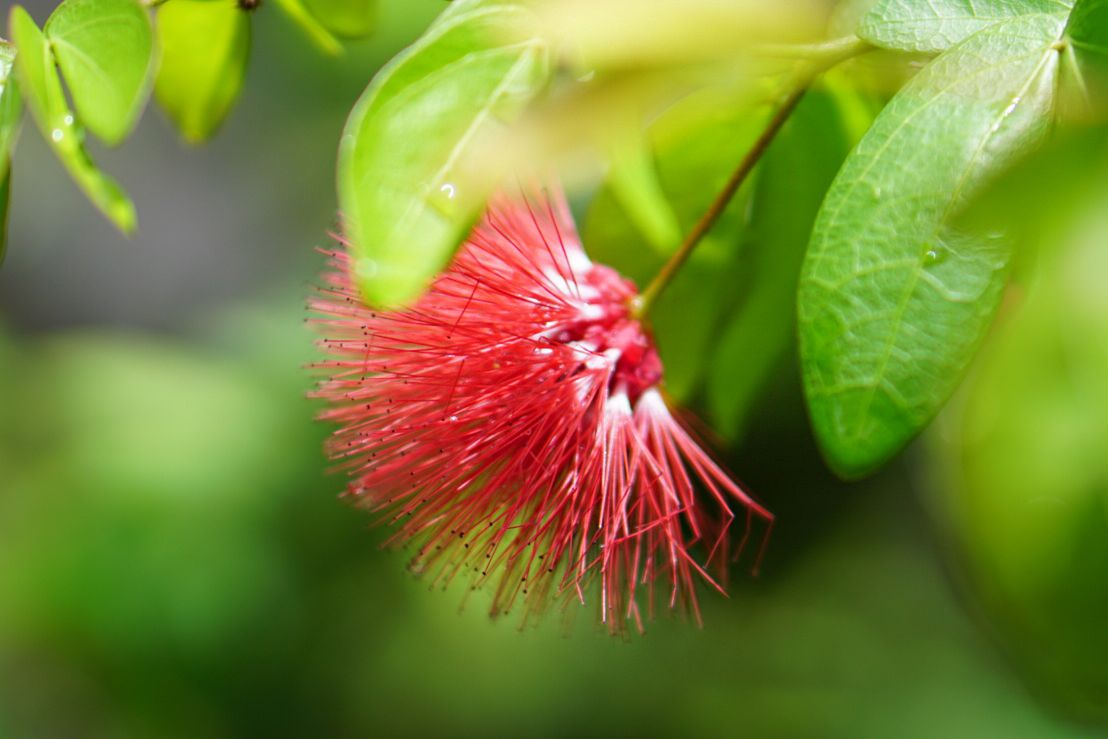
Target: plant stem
(833,53)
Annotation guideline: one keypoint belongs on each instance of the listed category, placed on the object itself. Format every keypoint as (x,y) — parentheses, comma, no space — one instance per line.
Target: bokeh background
(174,561)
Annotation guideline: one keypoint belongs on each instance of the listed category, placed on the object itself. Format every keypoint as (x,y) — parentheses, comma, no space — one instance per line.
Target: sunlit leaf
(205,47)
(105,51)
(409,184)
(936,25)
(42,89)
(895,296)
(345,18)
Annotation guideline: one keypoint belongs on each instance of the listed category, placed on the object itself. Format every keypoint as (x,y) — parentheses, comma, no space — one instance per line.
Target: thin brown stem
(803,81)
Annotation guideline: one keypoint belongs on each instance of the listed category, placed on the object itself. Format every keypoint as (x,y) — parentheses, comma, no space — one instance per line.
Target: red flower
(512,423)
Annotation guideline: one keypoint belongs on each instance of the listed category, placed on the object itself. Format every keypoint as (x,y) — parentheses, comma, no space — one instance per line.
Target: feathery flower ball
(512,424)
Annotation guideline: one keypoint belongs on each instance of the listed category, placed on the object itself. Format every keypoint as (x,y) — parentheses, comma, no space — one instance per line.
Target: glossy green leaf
(695,146)
(204,47)
(936,25)
(10,110)
(345,18)
(409,183)
(42,89)
(895,294)
(752,342)
(105,51)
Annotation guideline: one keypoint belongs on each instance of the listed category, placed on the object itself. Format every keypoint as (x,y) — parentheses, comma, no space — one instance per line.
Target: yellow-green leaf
(105,51)
(205,47)
(410,184)
(42,89)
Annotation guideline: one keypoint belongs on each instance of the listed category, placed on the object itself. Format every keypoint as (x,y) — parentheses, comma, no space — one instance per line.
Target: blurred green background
(174,562)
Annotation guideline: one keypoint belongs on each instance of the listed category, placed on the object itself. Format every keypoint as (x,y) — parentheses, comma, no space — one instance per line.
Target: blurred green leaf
(634,182)
(345,18)
(754,338)
(5,201)
(1085,58)
(1023,465)
(409,185)
(42,89)
(895,296)
(318,32)
(105,51)
(629,34)
(695,145)
(205,46)
(10,107)
(936,25)
(10,112)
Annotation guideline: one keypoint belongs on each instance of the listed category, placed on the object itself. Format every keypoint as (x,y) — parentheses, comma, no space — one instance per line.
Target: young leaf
(42,89)
(205,46)
(345,18)
(936,25)
(105,51)
(894,296)
(9,124)
(409,186)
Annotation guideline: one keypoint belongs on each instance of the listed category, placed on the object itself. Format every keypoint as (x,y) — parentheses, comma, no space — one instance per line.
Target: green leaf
(1085,57)
(1021,464)
(896,294)
(633,180)
(42,89)
(299,14)
(696,145)
(409,184)
(10,107)
(345,18)
(936,25)
(105,51)
(205,47)
(10,110)
(752,342)
(5,199)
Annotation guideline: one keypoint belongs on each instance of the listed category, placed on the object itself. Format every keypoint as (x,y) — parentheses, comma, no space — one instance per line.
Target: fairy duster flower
(512,424)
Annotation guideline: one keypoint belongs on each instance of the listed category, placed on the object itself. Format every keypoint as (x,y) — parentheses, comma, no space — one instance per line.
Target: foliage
(865,251)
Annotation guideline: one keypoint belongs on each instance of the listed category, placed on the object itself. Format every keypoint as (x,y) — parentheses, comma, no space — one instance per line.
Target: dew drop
(57,134)
(448,190)
(68,119)
(934,255)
